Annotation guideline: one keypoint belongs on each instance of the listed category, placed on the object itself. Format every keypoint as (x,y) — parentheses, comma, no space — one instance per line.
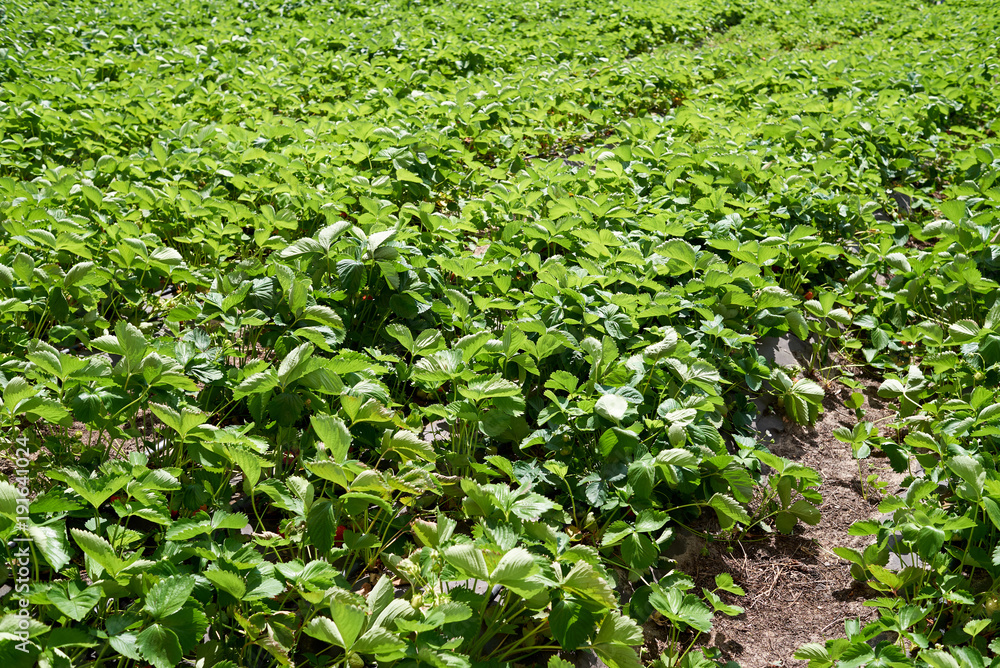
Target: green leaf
(182,422)
(334,434)
(222,519)
(469,560)
(774,297)
(619,630)
(249,462)
(402,334)
(295,364)
(885,576)
(548,344)
(681,253)
(409,447)
(805,511)
(803,400)
(513,571)
(343,629)
(424,532)
(938,658)
(189,625)
(891,388)
(351,274)
(929,541)
(651,520)
(329,470)
(256,383)
(228,582)
(718,605)
(992,510)
(611,407)
(571,623)
(133,343)
(617,656)
(677,457)
(585,582)
(489,387)
(963,331)
(42,407)
(380,597)
(427,342)
(260,586)
(370,499)
(989,412)
(323,315)
(51,541)
(812,652)
(24,267)
(843,434)
(662,348)
(616,533)
(969,470)
(379,641)
(724,581)
(685,609)
(126,644)
(984,155)
(439,368)
(74,599)
(785,521)
(639,552)
(187,528)
(297,296)
(99,550)
(974,626)
(160,646)
(299,247)
(449,612)
(728,511)
(797,324)
(321,525)
(953,209)
(77,273)
(169,595)
(898,262)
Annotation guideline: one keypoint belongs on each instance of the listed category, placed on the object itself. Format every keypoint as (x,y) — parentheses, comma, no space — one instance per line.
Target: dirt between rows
(797,590)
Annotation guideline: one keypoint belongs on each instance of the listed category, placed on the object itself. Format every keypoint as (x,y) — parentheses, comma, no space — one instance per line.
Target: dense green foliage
(315,314)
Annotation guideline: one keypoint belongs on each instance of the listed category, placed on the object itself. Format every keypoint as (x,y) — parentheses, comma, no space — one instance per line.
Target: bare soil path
(797,590)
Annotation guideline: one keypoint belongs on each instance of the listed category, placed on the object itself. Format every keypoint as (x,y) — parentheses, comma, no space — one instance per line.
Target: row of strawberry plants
(365,325)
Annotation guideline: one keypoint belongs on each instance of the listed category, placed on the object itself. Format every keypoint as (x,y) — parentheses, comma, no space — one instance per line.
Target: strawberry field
(417,334)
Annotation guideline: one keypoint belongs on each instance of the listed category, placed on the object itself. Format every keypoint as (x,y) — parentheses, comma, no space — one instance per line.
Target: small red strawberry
(339,538)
